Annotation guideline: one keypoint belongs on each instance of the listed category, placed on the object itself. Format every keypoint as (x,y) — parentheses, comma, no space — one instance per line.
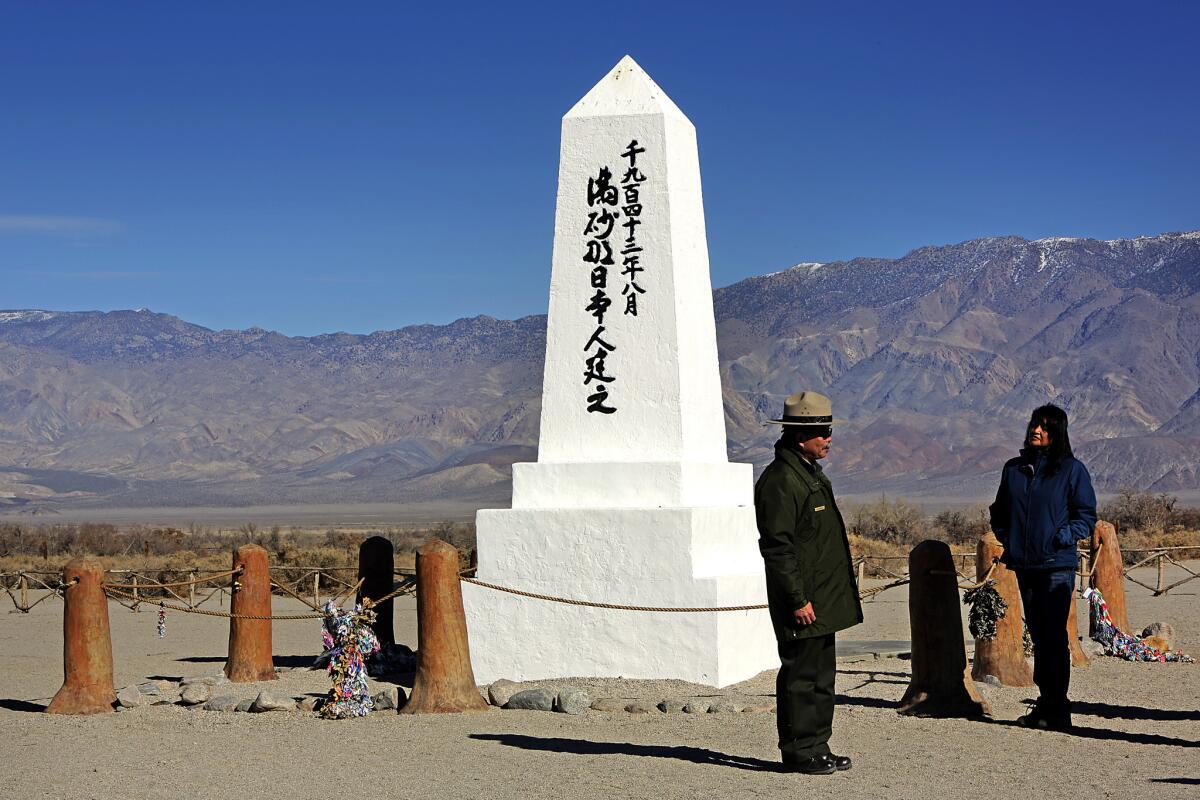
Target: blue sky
(314,167)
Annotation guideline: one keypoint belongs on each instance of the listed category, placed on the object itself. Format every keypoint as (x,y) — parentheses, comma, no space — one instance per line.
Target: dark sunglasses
(811,431)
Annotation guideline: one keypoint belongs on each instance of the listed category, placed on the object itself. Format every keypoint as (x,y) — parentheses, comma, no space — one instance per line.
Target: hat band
(825,420)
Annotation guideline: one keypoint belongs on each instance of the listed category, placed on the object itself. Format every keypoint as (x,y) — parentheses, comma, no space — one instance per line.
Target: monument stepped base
(632,484)
(670,557)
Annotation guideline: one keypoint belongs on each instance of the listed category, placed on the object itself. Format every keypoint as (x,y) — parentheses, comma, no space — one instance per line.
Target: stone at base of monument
(660,557)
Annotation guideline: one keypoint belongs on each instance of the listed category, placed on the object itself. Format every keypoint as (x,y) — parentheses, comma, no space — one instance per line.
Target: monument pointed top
(625,91)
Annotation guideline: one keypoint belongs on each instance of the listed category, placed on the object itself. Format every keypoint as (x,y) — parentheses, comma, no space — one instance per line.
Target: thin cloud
(59,226)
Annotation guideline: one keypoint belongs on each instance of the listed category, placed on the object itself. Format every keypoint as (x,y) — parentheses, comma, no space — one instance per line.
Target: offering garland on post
(987,609)
(348,641)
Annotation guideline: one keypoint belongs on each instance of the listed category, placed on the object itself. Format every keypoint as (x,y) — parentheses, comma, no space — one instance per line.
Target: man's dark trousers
(804,696)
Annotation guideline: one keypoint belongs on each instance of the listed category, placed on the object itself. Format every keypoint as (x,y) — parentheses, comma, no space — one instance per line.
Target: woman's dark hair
(1054,422)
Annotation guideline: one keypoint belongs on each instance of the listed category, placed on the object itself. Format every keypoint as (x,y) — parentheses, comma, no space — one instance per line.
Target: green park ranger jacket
(805,549)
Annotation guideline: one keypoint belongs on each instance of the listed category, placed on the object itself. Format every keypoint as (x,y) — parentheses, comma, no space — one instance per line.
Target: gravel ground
(1138,728)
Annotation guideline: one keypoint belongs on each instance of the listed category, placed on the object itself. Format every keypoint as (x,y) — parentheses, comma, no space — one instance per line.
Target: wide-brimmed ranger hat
(807,408)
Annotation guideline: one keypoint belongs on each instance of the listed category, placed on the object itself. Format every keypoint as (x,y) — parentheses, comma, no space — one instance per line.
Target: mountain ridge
(936,359)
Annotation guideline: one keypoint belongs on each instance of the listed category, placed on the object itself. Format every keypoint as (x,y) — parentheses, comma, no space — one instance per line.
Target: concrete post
(1004,655)
(87,646)
(250,639)
(376,565)
(444,681)
(940,686)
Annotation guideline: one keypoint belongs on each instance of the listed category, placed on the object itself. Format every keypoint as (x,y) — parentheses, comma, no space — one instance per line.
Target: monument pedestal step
(666,557)
(671,484)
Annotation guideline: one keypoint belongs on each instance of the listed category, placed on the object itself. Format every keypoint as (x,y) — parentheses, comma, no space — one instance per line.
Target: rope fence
(304,582)
(131,588)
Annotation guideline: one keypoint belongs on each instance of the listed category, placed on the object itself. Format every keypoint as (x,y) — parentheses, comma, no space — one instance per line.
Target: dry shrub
(961,527)
(1141,510)
(895,522)
(1146,521)
(895,555)
(1135,543)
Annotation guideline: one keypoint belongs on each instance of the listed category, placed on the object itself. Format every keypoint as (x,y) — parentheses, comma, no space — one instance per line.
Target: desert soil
(1138,728)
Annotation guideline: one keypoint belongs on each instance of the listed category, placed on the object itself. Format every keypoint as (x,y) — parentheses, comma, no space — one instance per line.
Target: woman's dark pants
(1046,595)
(804,696)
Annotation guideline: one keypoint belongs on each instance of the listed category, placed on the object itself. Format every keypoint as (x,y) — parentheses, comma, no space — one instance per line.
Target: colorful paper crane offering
(1120,644)
(348,641)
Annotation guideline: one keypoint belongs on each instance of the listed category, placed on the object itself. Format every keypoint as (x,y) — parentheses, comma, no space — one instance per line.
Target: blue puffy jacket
(1039,515)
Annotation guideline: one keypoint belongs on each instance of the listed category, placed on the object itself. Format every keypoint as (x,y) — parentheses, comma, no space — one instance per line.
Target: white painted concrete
(639,506)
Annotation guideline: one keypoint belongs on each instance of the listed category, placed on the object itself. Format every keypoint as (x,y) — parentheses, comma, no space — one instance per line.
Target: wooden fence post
(1162,574)
(1108,573)
(87,645)
(940,686)
(444,681)
(191,590)
(136,601)
(317,588)
(250,639)
(23,585)
(376,568)
(1078,657)
(1004,655)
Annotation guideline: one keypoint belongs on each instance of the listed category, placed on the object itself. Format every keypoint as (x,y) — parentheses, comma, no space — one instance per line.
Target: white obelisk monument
(632,500)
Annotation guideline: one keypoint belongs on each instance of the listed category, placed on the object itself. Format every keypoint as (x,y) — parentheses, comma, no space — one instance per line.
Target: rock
(672,706)
(205,680)
(268,702)
(992,680)
(1160,630)
(225,702)
(724,707)
(166,698)
(501,691)
(759,708)
(386,700)
(393,659)
(696,707)
(132,697)
(639,707)
(572,700)
(1158,643)
(532,700)
(166,686)
(608,704)
(195,693)
(310,704)
(244,705)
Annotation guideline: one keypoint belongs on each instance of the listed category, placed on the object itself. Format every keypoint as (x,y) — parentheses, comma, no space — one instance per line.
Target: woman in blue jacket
(1044,506)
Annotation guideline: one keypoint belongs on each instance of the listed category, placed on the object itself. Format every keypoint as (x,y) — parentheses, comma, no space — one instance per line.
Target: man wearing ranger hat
(811,588)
